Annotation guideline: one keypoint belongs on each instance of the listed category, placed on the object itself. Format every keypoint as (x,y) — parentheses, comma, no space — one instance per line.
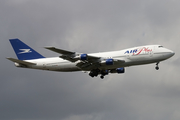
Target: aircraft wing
(71,56)
(67,55)
(21,61)
(64,52)
(84,61)
(86,65)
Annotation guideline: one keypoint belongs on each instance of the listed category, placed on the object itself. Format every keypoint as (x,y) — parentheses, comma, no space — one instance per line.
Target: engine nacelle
(109,62)
(84,57)
(118,70)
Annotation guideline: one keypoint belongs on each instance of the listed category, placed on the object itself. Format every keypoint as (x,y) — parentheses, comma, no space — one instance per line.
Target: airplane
(95,64)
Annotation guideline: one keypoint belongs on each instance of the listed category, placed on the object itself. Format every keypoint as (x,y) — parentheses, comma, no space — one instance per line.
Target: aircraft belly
(143,60)
(69,67)
(64,67)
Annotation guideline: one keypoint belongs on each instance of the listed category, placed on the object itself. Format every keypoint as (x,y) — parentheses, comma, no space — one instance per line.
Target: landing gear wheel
(157,67)
(102,76)
(90,74)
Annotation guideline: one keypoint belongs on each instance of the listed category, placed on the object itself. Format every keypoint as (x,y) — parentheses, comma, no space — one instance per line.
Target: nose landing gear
(102,76)
(157,67)
(94,73)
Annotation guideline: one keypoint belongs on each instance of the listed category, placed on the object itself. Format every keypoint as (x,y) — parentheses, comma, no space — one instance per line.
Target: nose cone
(170,53)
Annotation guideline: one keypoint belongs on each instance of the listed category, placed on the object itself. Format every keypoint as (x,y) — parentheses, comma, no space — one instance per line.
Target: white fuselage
(132,56)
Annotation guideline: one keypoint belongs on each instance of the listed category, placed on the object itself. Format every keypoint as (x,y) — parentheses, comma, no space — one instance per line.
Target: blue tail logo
(23,51)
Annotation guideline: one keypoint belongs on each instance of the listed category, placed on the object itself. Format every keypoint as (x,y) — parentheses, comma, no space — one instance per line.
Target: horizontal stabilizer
(21,61)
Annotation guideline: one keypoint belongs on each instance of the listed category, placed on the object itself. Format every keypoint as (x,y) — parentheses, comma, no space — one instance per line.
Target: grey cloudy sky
(142,93)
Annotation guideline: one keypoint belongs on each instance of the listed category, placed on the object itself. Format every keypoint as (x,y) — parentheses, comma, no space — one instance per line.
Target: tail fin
(23,51)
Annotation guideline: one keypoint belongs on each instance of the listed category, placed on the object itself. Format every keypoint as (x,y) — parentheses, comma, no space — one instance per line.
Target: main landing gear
(103,73)
(95,72)
(157,67)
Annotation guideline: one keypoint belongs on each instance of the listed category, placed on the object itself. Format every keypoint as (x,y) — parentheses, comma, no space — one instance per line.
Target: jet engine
(109,62)
(84,57)
(118,70)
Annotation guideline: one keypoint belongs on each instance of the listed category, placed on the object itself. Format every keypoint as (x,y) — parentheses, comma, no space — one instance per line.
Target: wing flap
(87,65)
(69,58)
(93,58)
(119,61)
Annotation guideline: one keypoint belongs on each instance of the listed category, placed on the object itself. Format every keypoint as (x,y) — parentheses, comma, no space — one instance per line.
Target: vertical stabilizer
(23,51)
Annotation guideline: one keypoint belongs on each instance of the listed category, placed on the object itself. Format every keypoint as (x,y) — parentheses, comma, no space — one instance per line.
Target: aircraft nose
(170,53)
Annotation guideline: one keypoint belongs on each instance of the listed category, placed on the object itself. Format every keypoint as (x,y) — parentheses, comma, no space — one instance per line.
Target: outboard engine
(109,62)
(84,57)
(118,70)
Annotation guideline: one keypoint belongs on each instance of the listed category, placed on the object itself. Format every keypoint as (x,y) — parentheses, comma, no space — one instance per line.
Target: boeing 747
(95,64)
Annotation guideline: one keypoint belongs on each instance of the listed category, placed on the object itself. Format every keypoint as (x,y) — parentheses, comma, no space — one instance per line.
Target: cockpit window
(160,46)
